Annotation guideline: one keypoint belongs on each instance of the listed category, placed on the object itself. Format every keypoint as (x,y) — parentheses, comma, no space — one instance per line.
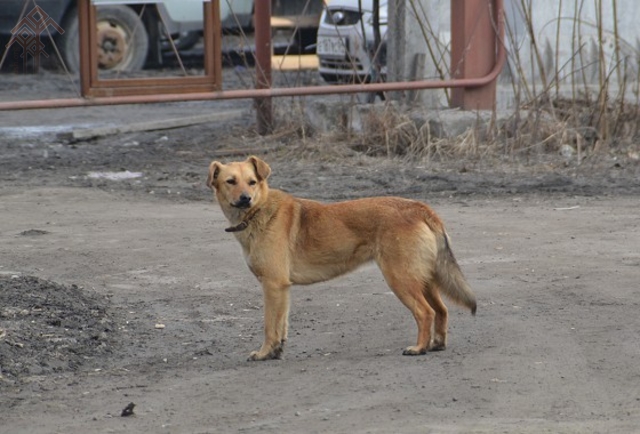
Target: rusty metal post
(262,18)
(474,36)
(84,56)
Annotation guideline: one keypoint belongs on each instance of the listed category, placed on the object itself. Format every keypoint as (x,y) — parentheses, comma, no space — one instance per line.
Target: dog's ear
(262,169)
(214,171)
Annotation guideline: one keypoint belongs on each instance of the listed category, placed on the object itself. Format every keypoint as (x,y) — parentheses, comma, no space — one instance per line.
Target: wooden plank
(294,62)
(163,124)
(241,152)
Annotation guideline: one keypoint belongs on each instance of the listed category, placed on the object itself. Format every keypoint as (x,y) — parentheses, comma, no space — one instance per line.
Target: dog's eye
(231,181)
(253,182)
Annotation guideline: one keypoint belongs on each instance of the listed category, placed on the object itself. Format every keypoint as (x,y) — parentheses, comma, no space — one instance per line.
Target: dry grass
(562,127)
(590,120)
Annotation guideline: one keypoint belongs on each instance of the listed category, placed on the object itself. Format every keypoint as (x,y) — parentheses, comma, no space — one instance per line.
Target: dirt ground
(129,291)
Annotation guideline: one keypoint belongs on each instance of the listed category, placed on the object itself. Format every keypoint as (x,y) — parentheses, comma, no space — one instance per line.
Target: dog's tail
(449,275)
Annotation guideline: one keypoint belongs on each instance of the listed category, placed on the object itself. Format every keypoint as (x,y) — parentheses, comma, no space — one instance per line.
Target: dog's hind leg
(276,314)
(432,294)
(409,289)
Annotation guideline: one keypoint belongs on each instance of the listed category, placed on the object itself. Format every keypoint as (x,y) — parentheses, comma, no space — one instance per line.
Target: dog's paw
(255,356)
(414,351)
(274,354)
(438,346)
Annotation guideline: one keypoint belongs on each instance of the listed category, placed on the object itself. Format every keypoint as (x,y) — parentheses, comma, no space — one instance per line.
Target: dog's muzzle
(243,202)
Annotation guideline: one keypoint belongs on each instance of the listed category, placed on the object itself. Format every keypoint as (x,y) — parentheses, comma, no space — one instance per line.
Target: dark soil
(50,328)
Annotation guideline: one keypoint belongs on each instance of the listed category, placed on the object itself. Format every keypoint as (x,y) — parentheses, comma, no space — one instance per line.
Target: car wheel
(123,42)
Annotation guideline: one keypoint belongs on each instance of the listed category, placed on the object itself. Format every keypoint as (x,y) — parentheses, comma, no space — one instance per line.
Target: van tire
(124,40)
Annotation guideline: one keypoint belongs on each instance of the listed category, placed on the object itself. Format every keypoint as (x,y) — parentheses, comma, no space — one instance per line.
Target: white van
(344,51)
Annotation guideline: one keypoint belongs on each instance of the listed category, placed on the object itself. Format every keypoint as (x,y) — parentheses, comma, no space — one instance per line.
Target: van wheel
(123,42)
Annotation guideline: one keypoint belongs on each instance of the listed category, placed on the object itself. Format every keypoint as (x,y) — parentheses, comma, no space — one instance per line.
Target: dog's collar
(244,223)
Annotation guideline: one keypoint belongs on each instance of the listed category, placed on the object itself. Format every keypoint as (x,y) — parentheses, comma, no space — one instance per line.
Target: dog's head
(240,185)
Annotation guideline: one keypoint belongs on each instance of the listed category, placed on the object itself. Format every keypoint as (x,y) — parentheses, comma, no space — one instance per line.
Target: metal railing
(263,84)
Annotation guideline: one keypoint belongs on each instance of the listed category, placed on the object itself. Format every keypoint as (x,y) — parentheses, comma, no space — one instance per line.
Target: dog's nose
(244,200)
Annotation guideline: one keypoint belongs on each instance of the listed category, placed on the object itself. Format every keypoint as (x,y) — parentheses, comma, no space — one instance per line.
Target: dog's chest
(248,260)
(254,259)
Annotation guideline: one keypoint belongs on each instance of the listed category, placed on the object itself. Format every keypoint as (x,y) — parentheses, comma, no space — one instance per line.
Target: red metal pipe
(473,51)
(262,21)
(280,92)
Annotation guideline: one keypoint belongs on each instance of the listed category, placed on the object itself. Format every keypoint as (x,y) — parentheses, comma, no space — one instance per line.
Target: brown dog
(287,240)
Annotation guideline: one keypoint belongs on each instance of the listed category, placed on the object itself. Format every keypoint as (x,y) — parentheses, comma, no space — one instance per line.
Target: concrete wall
(575,39)
(410,56)
(573,43)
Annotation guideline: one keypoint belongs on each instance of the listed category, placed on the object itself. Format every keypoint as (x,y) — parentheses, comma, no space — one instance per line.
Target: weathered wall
(575,40)
(419,45)
(572,42)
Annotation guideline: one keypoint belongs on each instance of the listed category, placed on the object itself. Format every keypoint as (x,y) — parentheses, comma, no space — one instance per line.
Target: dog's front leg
(276,321)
